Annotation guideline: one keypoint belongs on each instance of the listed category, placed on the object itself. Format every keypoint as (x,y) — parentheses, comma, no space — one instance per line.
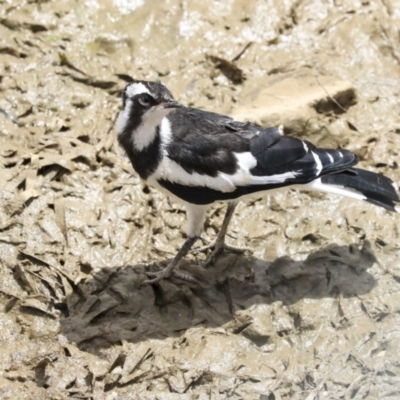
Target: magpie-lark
(200,157)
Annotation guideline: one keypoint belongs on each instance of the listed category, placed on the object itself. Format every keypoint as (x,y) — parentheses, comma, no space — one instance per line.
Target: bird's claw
(207,246)
(163,274)
(219,248)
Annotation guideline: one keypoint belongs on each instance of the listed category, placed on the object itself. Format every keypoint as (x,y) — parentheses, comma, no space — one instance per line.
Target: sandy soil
(312,313)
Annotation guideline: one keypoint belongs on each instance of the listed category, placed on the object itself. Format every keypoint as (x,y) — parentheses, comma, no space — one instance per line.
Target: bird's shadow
(113,305)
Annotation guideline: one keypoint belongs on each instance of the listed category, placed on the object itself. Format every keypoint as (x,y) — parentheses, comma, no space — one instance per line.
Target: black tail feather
(377,188)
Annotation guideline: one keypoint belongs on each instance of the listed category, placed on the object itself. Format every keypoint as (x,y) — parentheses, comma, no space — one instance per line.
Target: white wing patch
(318,162)
(165,134)
(272,179)
(173,172)
(246,160)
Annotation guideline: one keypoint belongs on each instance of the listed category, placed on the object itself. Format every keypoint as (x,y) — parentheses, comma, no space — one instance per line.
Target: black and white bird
(200,157)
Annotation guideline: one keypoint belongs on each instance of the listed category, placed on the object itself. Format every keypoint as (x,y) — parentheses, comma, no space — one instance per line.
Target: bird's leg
(168,270)
(220,241)
(195,215)
(219,245)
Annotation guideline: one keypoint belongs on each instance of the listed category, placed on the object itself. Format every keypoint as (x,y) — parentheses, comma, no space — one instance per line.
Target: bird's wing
(209,143)
(296,161)
(213,151)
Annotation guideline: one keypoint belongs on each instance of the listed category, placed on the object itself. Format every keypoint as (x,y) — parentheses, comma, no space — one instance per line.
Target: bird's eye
(145,99)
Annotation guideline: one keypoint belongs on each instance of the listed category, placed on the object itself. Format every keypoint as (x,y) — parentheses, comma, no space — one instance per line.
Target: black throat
(144,161)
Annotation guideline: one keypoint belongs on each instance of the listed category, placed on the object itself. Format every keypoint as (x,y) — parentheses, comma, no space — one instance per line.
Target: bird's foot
(218,248)
(203,249)
(169,269)
(209,245)
(156,277)
(166,273)
(223,246)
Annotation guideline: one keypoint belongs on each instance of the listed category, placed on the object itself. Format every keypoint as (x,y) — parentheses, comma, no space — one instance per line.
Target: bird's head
(144,101)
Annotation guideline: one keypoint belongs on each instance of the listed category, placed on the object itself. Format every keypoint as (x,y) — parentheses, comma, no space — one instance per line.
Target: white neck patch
(146,132)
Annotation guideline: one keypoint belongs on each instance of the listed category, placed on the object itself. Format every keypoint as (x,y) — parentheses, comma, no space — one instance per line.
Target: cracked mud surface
(312,313)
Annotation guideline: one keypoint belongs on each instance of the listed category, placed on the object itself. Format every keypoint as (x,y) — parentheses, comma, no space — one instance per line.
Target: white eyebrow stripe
(136,88)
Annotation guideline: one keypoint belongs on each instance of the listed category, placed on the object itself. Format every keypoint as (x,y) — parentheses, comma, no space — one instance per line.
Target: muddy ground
(312,313)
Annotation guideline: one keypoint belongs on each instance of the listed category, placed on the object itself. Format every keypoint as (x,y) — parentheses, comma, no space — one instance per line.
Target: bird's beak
(172,104)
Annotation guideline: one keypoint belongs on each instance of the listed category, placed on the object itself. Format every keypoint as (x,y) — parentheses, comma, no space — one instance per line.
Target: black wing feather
(280,153)
(203,143)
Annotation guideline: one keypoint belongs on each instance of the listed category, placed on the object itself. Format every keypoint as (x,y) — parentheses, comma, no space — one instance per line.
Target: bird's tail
(360,184)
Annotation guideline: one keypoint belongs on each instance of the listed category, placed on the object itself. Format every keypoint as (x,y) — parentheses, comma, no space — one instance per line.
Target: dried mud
(312,313)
